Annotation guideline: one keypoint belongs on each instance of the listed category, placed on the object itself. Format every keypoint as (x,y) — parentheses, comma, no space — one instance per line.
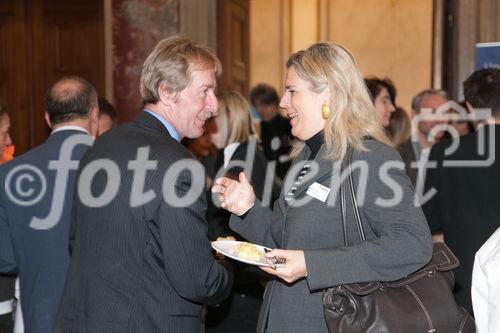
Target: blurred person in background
(465,204)
(400,126)
(400,132)
(107,116)
(383,95)
(461,126)
(34,238)
(424,106)
(274,129)
(485,290)
(238,133)
(427,129)
(7,282)
(394,119)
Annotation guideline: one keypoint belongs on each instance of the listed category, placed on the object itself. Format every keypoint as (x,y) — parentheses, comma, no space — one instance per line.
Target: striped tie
(305,169)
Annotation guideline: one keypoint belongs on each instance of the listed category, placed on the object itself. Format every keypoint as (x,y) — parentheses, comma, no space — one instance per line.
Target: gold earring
(325,111)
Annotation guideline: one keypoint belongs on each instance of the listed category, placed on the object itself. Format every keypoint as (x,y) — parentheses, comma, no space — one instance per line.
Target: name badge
(318,191)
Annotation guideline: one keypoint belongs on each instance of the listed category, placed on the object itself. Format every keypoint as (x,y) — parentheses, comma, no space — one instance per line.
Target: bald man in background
(34,230)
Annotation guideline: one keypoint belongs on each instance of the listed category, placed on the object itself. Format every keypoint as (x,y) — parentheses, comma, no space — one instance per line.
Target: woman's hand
(294,268)
(235,196)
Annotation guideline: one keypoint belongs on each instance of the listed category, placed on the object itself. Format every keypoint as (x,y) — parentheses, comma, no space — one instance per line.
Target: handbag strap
(346,166)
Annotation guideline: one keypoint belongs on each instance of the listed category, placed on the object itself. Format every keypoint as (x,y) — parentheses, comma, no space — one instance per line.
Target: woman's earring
(325,111)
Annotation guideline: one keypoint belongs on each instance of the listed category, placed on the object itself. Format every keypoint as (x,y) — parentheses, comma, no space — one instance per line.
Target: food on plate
(228,238)
(248,251)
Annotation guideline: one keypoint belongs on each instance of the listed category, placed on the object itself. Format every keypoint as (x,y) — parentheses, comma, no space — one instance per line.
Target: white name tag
(318,191)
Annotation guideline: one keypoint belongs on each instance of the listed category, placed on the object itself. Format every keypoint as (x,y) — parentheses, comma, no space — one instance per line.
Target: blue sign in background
(487,55)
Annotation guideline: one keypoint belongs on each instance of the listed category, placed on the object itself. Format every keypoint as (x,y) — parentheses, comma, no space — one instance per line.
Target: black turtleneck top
(314,143)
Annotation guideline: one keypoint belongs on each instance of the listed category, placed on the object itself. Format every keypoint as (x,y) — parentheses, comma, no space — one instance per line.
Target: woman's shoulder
(375,150)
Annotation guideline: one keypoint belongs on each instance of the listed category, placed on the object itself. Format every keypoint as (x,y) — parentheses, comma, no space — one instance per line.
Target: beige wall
(267,42)
(390,38)
(387,37)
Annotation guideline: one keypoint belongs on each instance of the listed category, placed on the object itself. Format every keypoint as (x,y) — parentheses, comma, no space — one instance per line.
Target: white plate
(228,248)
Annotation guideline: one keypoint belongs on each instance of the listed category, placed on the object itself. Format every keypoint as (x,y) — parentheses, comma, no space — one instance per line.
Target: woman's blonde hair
(352,117)
(400,127)
(235,110)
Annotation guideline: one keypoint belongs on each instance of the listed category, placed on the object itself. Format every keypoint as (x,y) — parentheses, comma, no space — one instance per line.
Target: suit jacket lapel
(304,153)
(325,169)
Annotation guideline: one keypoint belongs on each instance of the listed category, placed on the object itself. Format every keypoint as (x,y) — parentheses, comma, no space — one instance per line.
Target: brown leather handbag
(421,302)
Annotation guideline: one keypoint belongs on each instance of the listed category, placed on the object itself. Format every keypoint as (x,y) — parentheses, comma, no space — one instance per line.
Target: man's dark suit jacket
(466,207)
(39,256)
(242,308)
(147,268)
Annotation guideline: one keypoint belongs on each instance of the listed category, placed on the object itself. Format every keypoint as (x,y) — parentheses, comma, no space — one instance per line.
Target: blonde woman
(400,131)
(237,137)
(237,141)
(330,111)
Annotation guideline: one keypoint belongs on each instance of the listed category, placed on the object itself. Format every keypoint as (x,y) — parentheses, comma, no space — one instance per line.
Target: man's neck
(82,123)
(422,140)
(163,113)
(159,110)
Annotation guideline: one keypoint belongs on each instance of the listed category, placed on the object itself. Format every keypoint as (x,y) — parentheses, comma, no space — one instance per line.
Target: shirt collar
(69,127)
(229,151)
(171,130)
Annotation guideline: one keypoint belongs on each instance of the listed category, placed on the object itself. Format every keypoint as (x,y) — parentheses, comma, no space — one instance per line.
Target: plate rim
(232,256)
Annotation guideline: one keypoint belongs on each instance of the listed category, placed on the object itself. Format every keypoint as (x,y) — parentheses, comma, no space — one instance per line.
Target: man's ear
(470,109)
(94,121)
(47,119)
(167,95)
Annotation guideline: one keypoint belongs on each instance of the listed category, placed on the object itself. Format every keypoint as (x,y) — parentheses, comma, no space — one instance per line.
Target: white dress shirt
(485,289)
(229,151)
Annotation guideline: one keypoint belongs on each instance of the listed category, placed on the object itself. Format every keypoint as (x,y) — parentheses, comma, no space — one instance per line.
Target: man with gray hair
(35,202)
(424,106)
(141,259)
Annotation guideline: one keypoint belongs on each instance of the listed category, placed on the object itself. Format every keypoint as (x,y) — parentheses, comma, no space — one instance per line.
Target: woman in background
(383,95)
(236,134)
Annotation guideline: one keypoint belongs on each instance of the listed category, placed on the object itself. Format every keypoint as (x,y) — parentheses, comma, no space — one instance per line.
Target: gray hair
(416,102)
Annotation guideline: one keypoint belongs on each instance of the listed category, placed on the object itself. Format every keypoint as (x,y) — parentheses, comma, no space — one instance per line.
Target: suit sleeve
(189,263)
(7,260)
(255,226)
(432,206)
(402,241)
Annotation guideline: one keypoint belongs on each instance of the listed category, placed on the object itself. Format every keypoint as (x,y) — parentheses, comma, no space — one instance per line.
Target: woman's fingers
(294,268)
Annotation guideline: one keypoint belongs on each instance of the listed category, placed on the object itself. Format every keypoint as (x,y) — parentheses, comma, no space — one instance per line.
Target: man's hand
(235,196)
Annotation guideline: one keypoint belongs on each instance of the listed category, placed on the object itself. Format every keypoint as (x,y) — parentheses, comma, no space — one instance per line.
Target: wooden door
(14,90)
(68,39)
(46,39)
(233,44)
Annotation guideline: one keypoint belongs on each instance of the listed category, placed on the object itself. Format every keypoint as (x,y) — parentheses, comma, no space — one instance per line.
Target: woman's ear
(326,95)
